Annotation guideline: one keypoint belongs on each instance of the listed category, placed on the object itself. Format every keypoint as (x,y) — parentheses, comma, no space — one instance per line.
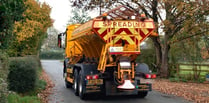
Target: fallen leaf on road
(197,92)
(43,95)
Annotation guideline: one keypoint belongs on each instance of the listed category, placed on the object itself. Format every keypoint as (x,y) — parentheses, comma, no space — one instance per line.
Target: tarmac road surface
(63,95)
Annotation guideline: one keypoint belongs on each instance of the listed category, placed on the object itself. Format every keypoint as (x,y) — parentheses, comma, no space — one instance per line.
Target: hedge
(3,76)
(51,55)
(22,74)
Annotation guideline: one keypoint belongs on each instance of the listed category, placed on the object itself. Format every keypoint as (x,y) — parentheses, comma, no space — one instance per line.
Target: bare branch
(131,7)
(121,3)
(180,39)
(144,10)
(159,15)
(162,4)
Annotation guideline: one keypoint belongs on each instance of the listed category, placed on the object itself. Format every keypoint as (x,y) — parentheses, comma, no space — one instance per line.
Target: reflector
(95,77)
(153,76)
(126,85)
(88,77)
(143,15)
(147,76)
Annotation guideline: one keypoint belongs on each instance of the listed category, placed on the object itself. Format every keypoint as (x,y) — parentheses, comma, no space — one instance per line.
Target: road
(63,95)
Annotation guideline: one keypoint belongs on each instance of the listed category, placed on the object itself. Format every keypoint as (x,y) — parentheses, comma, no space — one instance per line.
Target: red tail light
(153,76)
(88,77)
(147,76)
(95,76)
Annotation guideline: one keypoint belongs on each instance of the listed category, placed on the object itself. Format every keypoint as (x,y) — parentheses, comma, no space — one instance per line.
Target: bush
(51,55)
(41,84)
(22,74)
(3,76)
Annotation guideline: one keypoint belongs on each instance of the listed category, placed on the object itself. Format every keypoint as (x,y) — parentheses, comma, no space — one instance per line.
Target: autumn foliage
(36,19)
(10,11)
(23,26)
(32,29)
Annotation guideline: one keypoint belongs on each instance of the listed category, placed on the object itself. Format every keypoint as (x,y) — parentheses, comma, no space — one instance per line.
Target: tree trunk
(158,53)
(164,66)
(164,72)
(156,40)
(165,47)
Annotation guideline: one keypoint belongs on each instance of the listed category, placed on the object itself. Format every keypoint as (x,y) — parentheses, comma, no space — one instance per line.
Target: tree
(10,12)
(31,31)
(183,20)
(49,42)
(79,16)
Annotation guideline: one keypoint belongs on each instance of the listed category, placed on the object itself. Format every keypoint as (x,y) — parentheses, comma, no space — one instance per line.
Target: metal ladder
(103,58)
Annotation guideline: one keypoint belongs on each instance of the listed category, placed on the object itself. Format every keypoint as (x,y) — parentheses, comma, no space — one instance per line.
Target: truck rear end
(101,54)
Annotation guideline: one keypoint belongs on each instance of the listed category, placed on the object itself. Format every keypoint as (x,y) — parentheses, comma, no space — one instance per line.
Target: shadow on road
(101,97)
(111,98)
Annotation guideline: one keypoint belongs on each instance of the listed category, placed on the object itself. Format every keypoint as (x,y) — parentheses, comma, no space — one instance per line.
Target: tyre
(75,83)
(81,86)
(142,94)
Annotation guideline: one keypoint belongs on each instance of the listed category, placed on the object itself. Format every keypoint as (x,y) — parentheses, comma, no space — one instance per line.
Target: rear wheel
(81,86)
(142,94)
(75,83)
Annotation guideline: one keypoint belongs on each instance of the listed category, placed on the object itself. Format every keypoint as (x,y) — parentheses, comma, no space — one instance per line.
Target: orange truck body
(110,46)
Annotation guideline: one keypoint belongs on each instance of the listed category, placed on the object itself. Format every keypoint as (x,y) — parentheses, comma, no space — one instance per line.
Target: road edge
(44,94)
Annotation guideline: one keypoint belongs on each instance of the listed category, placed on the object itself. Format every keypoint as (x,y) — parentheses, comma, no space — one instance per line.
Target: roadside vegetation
(3,76)
(52,54)
(15,98)
(24,80)
(23,27)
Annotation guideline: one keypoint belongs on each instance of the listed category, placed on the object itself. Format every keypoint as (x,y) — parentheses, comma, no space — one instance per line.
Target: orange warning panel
(131,31)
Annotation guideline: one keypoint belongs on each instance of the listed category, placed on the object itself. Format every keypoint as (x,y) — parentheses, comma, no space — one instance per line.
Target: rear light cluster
(149,76)
(88,77)
(154,76)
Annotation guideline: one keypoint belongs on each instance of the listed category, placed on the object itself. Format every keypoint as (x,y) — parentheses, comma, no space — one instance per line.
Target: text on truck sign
(123,24)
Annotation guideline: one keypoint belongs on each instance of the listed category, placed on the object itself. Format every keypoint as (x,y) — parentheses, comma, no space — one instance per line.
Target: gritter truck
(101,54)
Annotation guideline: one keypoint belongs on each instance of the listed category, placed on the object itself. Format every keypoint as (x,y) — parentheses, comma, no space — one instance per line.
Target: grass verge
(15,98)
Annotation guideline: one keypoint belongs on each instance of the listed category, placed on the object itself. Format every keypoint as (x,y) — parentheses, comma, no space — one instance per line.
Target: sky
(60,13)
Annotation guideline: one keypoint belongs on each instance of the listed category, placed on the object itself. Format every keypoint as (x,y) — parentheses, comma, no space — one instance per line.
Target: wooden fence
(192,68)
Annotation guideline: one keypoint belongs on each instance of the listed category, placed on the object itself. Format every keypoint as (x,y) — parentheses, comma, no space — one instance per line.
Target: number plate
(150,81)
(95,81)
